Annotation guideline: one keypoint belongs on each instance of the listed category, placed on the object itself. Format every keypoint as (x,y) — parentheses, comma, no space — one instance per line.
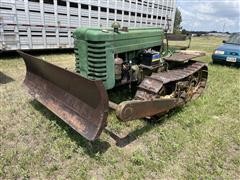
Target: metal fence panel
(42,24)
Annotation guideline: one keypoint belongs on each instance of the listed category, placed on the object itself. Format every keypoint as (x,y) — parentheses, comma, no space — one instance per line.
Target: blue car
(229,51)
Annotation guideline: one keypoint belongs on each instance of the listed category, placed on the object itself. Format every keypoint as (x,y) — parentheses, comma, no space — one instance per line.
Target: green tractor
(106,59)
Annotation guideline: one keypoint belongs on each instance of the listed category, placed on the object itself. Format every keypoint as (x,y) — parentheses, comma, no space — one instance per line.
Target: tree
(177,22)
(184,31)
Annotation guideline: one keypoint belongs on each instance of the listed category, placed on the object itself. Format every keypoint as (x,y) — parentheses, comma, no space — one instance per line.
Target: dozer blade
(81,103)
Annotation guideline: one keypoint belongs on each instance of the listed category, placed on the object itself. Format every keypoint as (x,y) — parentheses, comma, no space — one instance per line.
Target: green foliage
(137,159)
(184,31)
(177,22)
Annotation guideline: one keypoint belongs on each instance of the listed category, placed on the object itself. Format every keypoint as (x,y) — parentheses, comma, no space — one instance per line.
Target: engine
(118,57)
(132,67)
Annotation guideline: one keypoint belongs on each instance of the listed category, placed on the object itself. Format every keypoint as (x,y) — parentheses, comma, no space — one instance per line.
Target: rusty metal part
(184,56)
(81,103)
(150,86)
(112,105)
(134,109)
(151,99)
(180,73)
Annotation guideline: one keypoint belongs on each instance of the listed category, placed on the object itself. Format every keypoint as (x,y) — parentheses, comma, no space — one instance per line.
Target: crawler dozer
(129,59)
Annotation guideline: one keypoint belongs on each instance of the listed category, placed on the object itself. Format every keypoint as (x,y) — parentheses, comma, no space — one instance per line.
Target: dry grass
(201,140)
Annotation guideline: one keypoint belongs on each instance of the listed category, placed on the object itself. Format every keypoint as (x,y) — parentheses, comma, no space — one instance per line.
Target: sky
(210,15)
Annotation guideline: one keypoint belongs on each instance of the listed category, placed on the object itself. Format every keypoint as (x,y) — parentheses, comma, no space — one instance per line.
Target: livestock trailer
(49,24)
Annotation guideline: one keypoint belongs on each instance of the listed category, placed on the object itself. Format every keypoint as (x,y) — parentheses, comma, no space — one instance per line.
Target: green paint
(95,49)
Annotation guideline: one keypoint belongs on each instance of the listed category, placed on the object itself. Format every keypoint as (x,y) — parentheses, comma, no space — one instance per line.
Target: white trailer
(48,24)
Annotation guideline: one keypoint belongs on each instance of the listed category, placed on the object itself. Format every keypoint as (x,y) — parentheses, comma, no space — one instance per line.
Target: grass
(200,140)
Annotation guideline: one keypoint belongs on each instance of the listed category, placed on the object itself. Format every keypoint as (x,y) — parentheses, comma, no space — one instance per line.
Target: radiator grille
(97,65)
(77,60)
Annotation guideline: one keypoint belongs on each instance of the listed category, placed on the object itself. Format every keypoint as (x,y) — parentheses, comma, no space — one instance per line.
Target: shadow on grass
(4,79)
(99,146)
(90,148)
(132,136)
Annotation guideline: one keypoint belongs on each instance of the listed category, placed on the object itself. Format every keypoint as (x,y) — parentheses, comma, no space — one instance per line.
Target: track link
(192,75)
